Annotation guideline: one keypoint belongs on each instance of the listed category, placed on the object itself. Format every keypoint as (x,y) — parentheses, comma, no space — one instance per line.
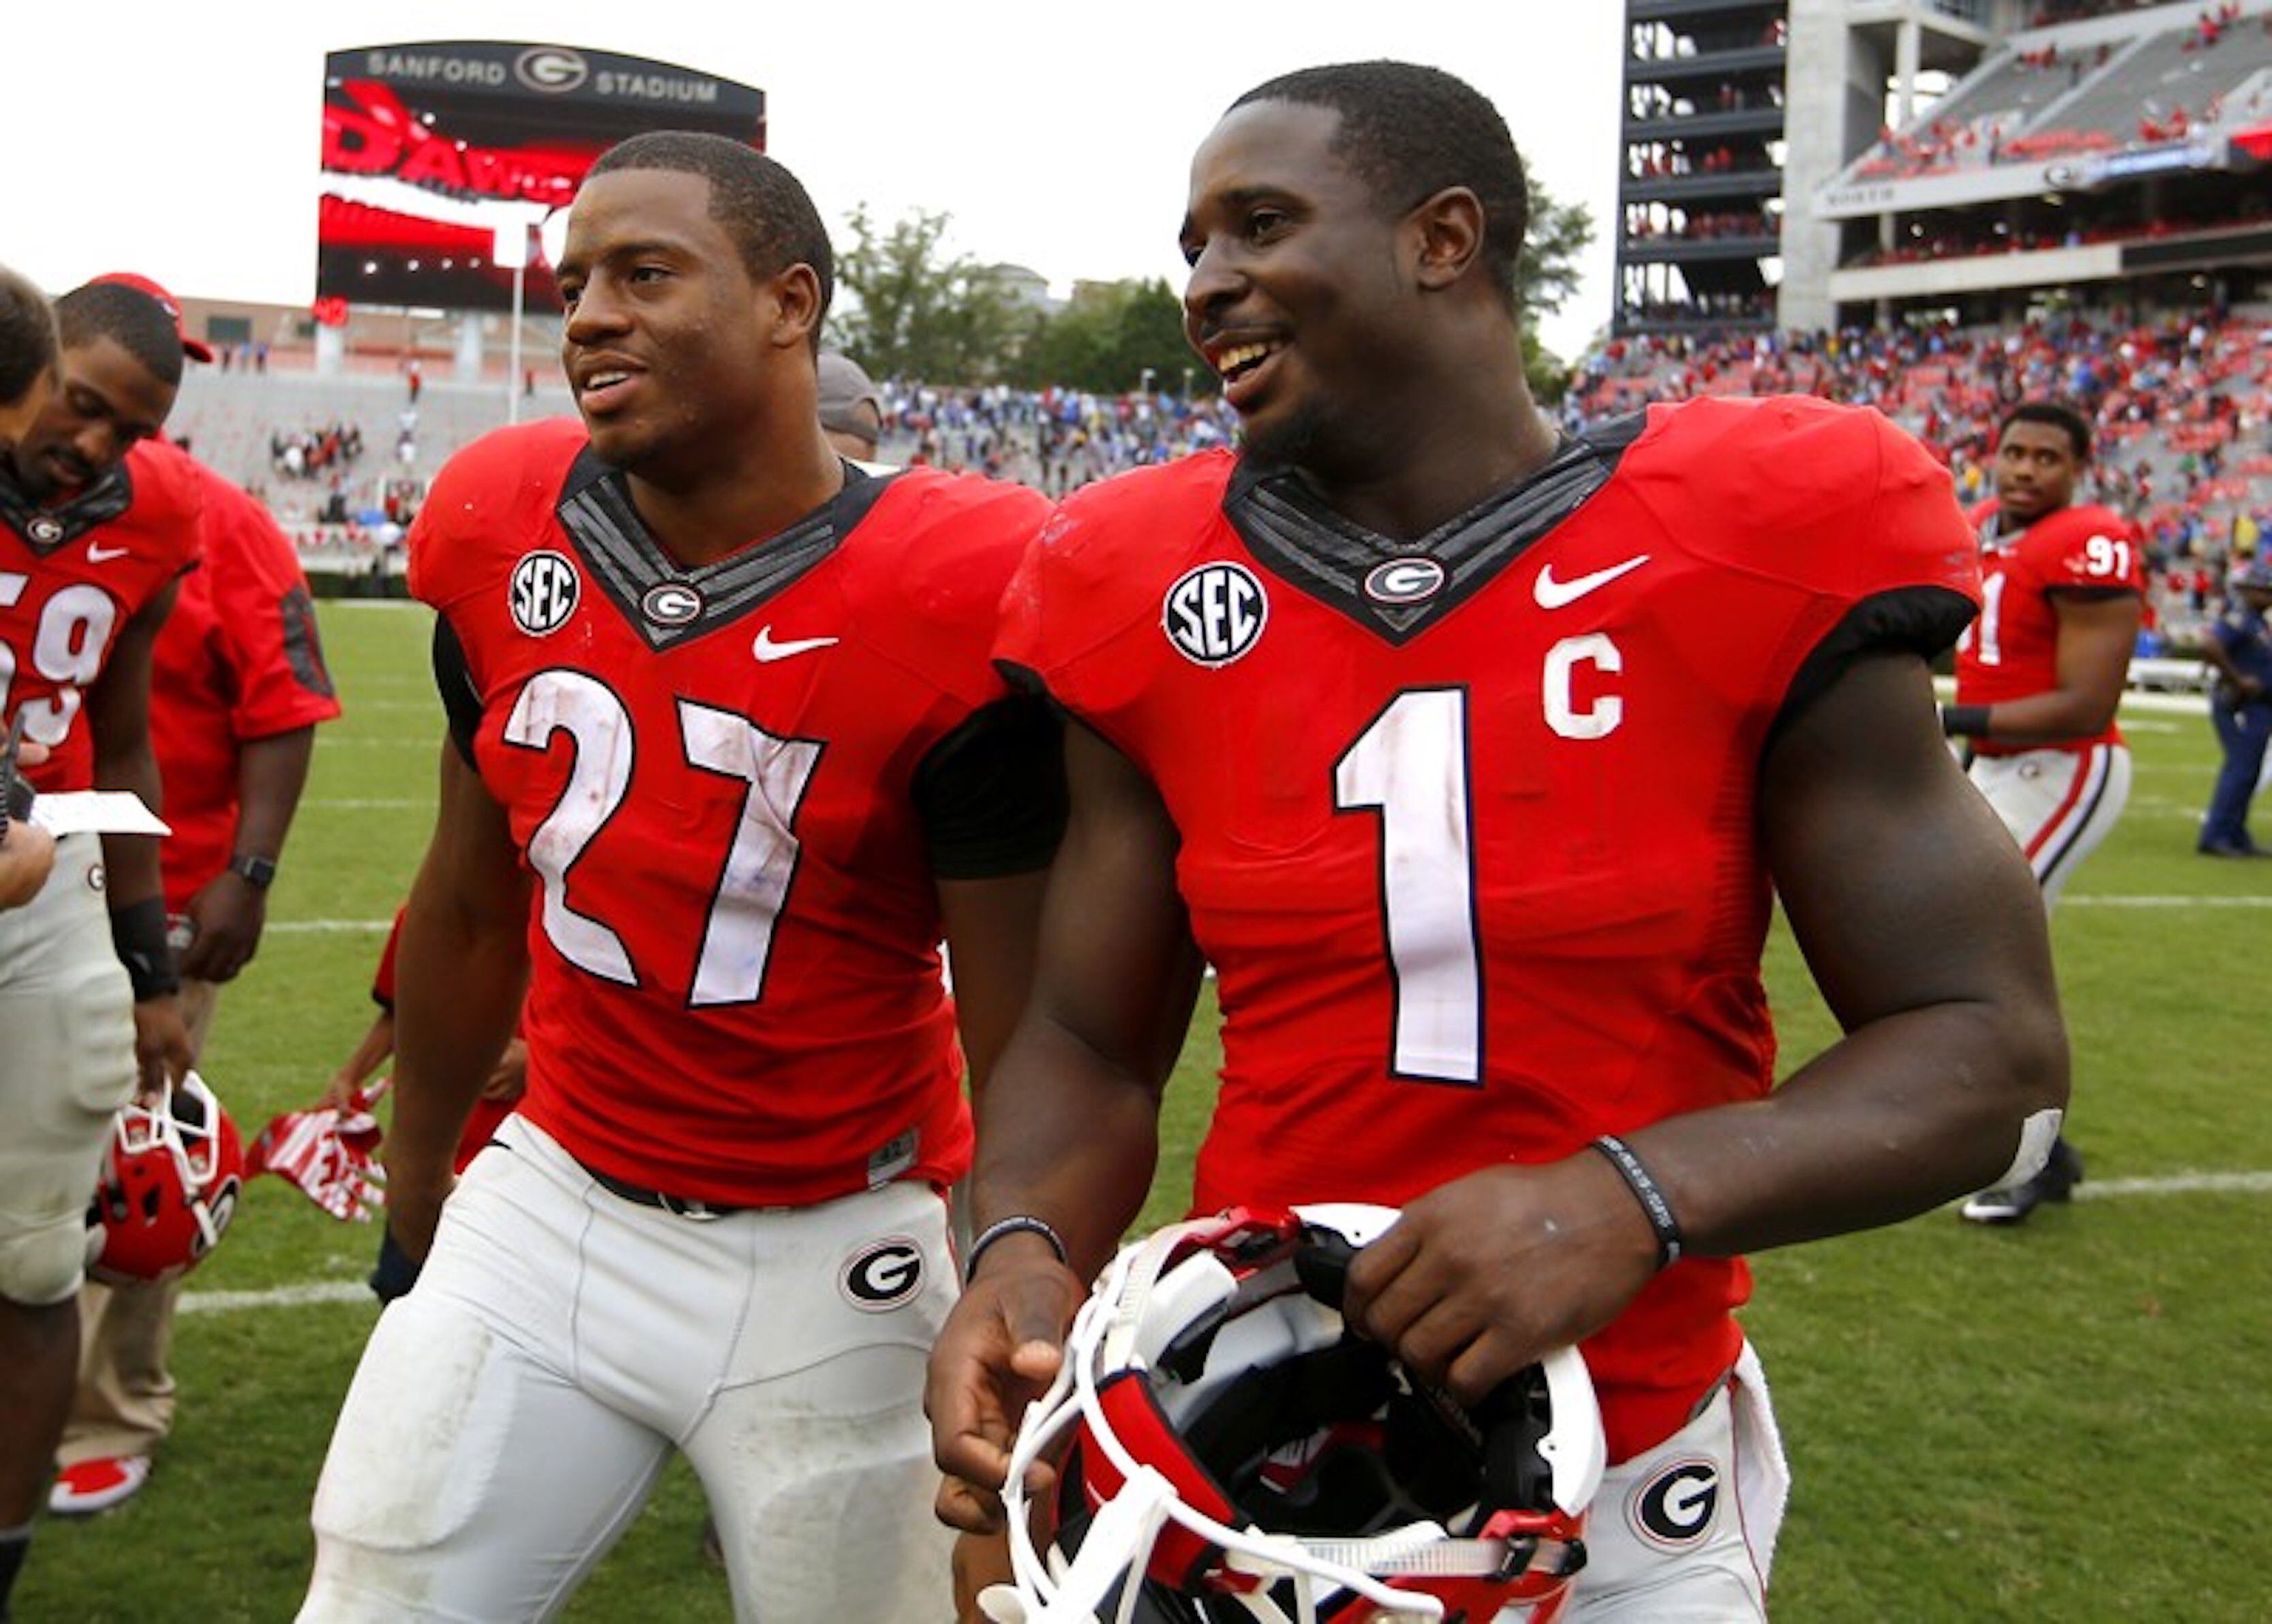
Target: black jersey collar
(46,529)
(1399,589)
(669,605)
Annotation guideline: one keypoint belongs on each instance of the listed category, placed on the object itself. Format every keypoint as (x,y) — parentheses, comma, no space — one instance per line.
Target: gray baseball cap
(843,386)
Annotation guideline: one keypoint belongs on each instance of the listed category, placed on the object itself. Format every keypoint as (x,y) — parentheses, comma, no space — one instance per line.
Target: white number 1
(1411,765)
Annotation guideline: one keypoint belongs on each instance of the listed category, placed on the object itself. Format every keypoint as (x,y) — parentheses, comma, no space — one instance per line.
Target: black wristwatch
(257,872)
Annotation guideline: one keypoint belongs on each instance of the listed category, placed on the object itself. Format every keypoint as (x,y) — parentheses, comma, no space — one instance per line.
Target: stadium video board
(441,158)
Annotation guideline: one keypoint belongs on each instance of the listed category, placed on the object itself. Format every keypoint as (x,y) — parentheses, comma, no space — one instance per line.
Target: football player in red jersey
(27,377)
(1470,758)
(98,520)
(238,686)
(2038,678)
(729,752)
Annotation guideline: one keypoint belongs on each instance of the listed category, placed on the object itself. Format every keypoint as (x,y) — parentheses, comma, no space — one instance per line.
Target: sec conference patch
(882,1275)
(1215,613)
(1671,1509)
(544,593)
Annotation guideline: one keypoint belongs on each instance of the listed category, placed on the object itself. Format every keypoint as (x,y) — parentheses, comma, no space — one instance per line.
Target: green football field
(2065,1421)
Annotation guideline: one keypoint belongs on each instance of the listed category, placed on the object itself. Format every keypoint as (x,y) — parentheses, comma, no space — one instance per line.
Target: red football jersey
(237,660)
(1467,825)
(735,992)
(71,576)
(2013,650)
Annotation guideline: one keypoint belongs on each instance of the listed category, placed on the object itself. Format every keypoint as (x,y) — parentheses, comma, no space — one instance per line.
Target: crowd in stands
(2210,25)
(1658,46)
(1966,239)
(1672,158)
(247,357)
(1758,306)
(314,453)
(2182,406)
(1654,101)
(2052,12)
(1051,439)
(1939,146)
(1705,227)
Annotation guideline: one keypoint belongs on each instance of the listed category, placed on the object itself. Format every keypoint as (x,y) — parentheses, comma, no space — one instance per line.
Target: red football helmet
(168,1186)
(1236,1455)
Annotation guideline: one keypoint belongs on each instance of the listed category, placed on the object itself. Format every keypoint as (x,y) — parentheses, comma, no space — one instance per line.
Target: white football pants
(512,1414)
(2058,803)
(1685,1533)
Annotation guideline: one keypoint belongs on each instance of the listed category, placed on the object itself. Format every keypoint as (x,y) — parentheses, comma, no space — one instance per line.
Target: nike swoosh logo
(767,651)
(1553,594)
(104,554)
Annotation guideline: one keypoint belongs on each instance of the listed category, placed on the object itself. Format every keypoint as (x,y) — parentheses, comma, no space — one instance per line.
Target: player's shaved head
(2052,414)
(28,336)
(1410,133)
(763,208)
(131,318)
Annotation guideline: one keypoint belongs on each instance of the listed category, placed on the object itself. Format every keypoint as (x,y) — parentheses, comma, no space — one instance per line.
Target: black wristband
(257,872)
(1969,721)
(138,935)
(1001,1229)
(1653,1203)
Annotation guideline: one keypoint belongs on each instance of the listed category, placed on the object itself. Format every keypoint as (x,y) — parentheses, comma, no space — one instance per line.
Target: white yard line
(2071,900)
(2104,1190)
(2176,1184)
(276,1296)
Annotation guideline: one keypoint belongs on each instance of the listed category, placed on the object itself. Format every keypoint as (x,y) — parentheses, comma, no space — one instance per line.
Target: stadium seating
(2182,403)
(2164,76)
(231,419)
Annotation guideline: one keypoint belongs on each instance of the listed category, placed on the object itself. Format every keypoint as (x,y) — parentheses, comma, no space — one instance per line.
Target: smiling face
(104,402)
(1296,296)
(665,341)
(2036,470)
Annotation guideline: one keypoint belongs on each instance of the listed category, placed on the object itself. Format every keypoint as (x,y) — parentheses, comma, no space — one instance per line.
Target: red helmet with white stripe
(1236,1455)
(168,1186)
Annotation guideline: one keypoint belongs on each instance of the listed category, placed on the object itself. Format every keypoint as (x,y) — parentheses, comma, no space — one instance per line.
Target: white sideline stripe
(376,805)
(308,927)
(2176,1184)
(2108,1189)
(2073,901)
(276,1296)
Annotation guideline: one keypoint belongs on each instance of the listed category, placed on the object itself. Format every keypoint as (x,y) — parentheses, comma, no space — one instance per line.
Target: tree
(1109,338)
(916,312)
(1545,277)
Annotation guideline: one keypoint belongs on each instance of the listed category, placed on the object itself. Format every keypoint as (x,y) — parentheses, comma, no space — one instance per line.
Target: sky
(182,141)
